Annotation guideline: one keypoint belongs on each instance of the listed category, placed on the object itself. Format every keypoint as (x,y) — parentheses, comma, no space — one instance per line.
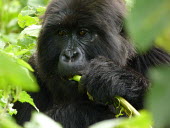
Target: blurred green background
(147,23)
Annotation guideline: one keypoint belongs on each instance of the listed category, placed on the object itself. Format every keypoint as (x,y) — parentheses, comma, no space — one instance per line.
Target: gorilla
(87,38)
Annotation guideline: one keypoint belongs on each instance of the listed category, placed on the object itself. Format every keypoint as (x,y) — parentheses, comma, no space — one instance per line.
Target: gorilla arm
(104,80)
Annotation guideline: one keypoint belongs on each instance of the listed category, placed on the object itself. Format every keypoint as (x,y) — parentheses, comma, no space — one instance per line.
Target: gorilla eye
(83,32)
(62,32)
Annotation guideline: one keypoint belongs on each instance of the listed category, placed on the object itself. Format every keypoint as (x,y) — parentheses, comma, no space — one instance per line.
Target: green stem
(120,102)
(76,78)
(128,108)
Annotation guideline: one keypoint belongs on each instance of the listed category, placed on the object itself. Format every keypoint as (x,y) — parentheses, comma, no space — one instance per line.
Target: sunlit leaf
(142,121)
(13,74)
(28,10)
(107,123)
(25,21)
(2,44)
(164,39)
(32,30)
(41,10)
(25,97)
(147,20)
(39,120)
(25,64)
(158,98)
(37,3)
(129,3)
(26,41)
(8,123)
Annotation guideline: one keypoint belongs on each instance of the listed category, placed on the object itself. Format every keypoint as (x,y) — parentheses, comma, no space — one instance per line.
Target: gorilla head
(76,31)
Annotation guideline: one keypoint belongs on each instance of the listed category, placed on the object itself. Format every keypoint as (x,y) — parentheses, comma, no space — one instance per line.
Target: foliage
(17,43)
(157,101)
(148,24)
(40,121)
(17,76)
(147,20)
(142,121)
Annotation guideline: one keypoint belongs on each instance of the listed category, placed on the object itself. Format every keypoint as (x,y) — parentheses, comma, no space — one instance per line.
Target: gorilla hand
(103,80)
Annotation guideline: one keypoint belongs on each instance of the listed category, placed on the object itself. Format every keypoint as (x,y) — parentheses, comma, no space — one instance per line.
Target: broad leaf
(32,31)
(13,74)
(142,121)
(40,120)
(158,98)
(25,97)
(147,20)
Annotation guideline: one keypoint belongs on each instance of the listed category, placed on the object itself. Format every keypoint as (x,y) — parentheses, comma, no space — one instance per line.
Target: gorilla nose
(71,61)
(70,55)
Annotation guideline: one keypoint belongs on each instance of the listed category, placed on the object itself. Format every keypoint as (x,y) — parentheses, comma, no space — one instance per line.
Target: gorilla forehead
(94,12)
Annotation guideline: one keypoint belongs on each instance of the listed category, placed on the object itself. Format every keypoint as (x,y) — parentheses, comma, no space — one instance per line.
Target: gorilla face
(69,49)
(76,31)
(74,42)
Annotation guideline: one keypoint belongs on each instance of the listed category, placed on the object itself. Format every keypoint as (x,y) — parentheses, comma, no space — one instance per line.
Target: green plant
(148,24)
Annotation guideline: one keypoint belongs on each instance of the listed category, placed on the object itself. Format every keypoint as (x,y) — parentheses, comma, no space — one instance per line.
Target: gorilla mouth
(66,73)
(70,77)
(68,80)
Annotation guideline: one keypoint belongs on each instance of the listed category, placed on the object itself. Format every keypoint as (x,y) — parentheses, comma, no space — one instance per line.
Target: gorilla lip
(68,72)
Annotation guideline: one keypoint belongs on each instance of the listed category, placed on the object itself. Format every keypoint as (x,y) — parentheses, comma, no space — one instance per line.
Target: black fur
(108,63)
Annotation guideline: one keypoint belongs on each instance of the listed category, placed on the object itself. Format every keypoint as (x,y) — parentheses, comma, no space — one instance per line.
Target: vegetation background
(148,23)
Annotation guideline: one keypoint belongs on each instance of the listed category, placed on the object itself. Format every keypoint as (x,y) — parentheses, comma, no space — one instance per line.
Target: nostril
(75,54)
(70,55)
(67,54)
(67,57)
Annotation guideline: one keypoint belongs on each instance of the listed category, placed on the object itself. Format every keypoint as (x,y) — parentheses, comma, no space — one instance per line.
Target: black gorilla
(86,37)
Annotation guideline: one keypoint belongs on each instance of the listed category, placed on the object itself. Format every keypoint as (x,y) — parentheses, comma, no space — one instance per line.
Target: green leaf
(25,21)
(25,97)
(23,51)
(28,11)
(164,39)
(41,10)
(147,20)
(28,37)
(7,122)
(23,2)
(142,121)
(25,64)
(158,97)
(13,74)
(28,17)
(39,120)
(113,123)
(32,31)
(11,110)
(26,41)
(36,3)
(2,44)
(129,4)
